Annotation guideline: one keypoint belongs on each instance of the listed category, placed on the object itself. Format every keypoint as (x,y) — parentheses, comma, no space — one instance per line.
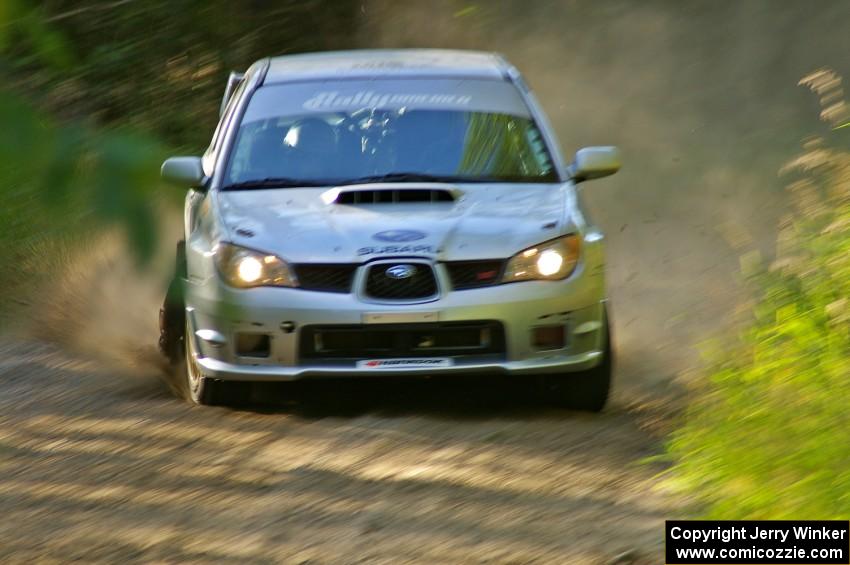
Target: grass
(769,434)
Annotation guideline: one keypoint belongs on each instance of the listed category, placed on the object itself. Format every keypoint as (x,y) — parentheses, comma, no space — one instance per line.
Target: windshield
(393,130)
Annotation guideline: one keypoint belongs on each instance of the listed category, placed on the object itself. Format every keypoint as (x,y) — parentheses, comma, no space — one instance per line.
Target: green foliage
(64,181)
(91,95)
(769,437)
(160,65)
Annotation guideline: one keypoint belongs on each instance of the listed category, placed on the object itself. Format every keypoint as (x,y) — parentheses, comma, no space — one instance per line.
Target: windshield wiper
(409,177)
(273,182)
(423,177)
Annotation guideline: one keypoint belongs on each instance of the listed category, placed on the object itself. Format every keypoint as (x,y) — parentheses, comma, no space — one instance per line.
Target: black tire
(587,391)
(172,315)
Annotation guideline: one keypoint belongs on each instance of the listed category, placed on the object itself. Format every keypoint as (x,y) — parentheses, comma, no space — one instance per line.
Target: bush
(769,436)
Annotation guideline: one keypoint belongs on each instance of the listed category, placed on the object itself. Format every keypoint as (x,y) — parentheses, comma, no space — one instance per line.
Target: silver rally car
(388,212)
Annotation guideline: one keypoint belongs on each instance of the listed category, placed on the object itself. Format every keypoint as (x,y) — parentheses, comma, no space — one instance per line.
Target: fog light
(549,337)
(253,345)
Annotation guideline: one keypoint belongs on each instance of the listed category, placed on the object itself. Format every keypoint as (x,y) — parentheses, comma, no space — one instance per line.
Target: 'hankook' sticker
(424,362)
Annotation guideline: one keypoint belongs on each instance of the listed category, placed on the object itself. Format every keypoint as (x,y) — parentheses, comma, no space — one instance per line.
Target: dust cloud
(104,306)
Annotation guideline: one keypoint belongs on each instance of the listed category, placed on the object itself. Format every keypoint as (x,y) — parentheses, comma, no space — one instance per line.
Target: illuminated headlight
(245,268)
(551,260)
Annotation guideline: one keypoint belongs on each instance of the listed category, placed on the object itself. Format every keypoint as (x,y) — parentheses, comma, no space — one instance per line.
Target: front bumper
(216,314)
(222,370)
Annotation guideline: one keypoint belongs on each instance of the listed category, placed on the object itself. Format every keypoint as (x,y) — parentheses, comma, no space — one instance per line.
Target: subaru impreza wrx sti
(396,213)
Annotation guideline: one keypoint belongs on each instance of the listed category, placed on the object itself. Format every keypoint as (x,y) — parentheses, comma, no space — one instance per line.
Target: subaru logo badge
(398,236)
(399,272)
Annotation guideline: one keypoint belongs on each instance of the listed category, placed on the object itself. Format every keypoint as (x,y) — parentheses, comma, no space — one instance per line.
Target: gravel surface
(106,465)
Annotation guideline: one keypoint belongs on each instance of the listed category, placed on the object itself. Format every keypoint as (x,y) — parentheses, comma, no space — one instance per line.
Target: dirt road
(105,465)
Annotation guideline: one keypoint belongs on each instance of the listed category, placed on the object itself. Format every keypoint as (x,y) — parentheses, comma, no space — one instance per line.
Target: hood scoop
(367,195)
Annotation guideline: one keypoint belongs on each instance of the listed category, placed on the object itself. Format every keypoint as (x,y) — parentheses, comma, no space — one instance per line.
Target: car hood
(485,221)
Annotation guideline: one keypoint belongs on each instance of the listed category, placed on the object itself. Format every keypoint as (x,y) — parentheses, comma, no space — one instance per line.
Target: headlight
(552,260)
(246,268)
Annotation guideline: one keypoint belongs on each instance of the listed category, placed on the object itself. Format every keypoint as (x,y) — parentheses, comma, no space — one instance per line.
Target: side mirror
(595,162)
(184,171)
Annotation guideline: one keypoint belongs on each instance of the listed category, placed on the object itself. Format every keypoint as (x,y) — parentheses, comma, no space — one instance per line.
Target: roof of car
(369,63)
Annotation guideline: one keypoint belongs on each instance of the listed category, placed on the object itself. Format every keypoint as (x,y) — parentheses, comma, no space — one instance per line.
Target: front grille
(475,274)
(420,284)
(460,340)
(325,277)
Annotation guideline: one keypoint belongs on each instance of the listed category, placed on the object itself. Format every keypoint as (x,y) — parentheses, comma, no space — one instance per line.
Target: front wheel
(588,390)
(195,387)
